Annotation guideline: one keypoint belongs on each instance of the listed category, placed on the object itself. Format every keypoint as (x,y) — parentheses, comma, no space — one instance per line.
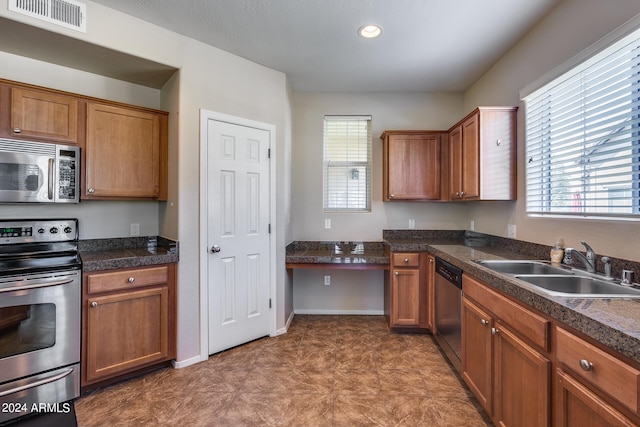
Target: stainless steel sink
(584,287)
(523,267)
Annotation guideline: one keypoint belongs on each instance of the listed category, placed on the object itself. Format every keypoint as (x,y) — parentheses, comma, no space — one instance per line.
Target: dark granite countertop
(360,253)
(614,322)
(126,252)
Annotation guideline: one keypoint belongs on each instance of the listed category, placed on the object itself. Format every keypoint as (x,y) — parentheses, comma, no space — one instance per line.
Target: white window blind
(583,137)
(347,163)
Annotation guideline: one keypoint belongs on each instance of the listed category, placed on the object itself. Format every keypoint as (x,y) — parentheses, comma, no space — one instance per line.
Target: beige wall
(570,28)
(208,78)
(359,292)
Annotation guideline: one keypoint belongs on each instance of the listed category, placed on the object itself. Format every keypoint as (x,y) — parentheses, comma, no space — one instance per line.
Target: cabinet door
(125,331)
(477,352)
(122,152)
(521,382)
(405,297)
(455,162)
(577,406)
(413,167)
(43,115)
(471,158)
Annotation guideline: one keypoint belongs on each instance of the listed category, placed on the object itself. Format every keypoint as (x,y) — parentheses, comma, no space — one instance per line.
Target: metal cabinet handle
(397,274)
(131,279)
(17,130)
(462,193)
(91,191)
(494,331)
(392,195)
(484,322)
(586,365)
(406,260)
(94,304)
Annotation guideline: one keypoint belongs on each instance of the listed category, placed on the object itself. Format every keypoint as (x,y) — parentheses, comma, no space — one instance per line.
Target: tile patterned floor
(326,371)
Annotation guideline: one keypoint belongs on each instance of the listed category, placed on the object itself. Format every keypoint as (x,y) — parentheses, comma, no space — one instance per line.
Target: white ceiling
(426,45)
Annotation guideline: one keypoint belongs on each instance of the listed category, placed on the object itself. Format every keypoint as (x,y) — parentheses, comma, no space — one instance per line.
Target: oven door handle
(36,285)
(37,383)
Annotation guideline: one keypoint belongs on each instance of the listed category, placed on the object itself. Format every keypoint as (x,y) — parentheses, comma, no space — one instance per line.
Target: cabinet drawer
(126,279)
(599,368)
(530,325)
(405,259)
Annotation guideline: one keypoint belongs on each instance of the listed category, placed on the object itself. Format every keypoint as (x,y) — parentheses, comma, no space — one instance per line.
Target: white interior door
(238,237)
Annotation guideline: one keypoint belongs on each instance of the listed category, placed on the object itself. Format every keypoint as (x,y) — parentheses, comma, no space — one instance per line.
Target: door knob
(215,249)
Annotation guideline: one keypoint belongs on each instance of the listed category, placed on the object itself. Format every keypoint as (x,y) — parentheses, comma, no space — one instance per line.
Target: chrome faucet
(589,260)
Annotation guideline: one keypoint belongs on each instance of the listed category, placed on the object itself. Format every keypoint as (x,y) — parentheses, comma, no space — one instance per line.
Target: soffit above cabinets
(32,42)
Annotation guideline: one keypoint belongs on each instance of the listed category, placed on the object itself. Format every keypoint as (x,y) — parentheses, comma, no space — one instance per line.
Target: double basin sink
(557,280)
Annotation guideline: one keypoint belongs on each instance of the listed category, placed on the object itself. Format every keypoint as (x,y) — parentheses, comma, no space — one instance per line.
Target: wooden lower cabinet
(405,297)
(527,369)
(510,378)
(129,321)
(522,381)
(407,291)
(477,353)
(575,405)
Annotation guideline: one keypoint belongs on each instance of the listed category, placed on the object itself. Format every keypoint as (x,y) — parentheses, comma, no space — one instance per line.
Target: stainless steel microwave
(35,172)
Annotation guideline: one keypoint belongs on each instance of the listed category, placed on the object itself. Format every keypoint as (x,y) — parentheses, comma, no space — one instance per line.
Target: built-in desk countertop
(337,255)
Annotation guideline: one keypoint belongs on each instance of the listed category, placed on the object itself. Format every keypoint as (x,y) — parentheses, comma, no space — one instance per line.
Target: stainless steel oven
(40,277)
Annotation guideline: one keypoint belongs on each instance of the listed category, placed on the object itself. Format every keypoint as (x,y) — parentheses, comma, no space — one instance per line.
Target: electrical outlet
(412,224)
(511,231)
(472,225)
(135,229)
(327,280)
(327,223)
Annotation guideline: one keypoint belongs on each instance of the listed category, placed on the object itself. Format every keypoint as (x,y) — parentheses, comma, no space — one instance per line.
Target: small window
(583,137)
(347,164)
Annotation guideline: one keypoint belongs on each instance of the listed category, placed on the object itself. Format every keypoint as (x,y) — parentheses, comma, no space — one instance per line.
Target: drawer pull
(406,260)
(484,322)
(131,279)
(94,304)
(397,274)
(586,365)
(17,130)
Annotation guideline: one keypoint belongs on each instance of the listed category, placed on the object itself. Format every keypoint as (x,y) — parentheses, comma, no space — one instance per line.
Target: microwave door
(26,178)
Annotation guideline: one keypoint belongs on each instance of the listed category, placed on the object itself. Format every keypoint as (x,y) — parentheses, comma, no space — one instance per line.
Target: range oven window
(26,328)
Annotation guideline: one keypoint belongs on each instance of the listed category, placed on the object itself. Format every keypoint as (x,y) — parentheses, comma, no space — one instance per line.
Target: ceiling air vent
(66,13)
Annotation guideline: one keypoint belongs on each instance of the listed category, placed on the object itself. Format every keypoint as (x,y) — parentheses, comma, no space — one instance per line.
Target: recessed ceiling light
(370,31)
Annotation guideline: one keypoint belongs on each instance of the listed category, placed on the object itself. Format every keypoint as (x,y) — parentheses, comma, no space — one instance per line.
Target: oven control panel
(38,231)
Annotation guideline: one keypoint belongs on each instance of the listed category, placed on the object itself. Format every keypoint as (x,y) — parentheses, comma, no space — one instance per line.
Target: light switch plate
(135,229)
(511,231)
(327,223)
(412,224)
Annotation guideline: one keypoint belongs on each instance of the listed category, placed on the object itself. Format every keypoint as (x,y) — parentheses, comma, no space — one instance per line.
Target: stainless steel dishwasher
(448,290)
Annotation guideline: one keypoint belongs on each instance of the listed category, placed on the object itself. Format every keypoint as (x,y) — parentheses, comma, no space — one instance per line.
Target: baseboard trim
(343,312)
(188,362)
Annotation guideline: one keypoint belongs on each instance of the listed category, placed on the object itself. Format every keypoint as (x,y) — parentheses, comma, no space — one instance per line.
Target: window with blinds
(583,137)
(347,164)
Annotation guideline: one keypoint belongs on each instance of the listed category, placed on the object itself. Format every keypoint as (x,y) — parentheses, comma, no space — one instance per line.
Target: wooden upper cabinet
(482,155)
(124,152)
(412,165)
(40,115)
